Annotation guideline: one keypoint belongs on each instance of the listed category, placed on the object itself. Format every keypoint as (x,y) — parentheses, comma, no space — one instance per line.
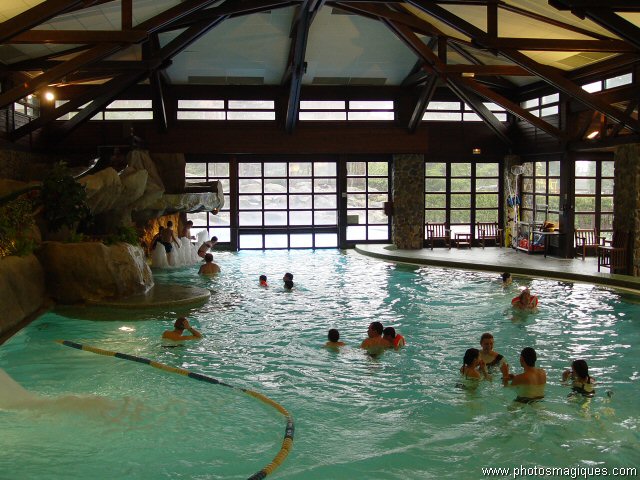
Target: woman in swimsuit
(582,382)
(492,360)
(472,366)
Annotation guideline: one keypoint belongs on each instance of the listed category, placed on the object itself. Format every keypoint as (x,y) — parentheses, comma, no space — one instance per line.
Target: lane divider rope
(287,443)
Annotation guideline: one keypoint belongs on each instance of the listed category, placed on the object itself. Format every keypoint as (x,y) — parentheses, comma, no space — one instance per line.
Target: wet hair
(263,278)
(208,258)
(469,356)
(190,223)
(288,284)
(288,276)
(485,336)
(334,335)
(169,224)
(529,356)
(377,327)
(581,368)
(179,323)
(214,239)
(505,276)
(389,332)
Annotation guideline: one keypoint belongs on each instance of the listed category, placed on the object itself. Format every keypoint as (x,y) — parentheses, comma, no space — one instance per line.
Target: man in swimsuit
(375,343)
(531,382)
(180,325)
(206,246)
(209,268)
(167,235)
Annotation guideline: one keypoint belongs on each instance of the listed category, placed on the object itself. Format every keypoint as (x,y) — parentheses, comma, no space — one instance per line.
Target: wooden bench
(489,231)
(587,239)
(438,232)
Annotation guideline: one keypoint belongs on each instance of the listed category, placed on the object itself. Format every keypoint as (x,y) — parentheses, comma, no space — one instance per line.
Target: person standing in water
(531,382)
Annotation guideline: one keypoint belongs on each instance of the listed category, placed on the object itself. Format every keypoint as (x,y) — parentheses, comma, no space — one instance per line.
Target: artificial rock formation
(22,290)
(92,271)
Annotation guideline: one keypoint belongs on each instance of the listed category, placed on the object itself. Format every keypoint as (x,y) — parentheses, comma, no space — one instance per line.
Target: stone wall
(22,290)
(626,201)
(407,226)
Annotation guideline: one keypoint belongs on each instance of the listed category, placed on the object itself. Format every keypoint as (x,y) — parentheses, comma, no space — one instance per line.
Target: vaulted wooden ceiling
(482,50)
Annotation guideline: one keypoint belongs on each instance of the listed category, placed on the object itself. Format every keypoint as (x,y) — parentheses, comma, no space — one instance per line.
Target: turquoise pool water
(396,416)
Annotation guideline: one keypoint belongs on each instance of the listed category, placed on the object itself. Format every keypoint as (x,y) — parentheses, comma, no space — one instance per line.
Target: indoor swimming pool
(397,416)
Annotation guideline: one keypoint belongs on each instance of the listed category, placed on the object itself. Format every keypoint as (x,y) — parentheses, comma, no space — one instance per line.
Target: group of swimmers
(482,364)
(287,279)
(378,339)
(186,253)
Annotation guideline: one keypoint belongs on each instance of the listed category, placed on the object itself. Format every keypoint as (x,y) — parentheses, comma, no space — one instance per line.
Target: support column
(407,226)
(626,201)
(510,182)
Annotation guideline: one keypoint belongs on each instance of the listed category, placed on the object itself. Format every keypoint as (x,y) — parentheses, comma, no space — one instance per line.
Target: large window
(460,194)
(541,192)
(594,195)
(367,191)
(287,205)
(216,224)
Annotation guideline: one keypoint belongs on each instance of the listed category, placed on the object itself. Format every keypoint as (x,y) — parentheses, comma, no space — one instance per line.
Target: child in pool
(472,366)
(263,281)
(582,382)
(334,339)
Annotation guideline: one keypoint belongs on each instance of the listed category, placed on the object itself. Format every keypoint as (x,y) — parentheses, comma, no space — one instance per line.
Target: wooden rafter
(512,107)
(476,104)
(462,51)
(157,84)
(79,36)
(548,74)
(73,104)
(426,94)
(96,53)
(300,35)
(34,16)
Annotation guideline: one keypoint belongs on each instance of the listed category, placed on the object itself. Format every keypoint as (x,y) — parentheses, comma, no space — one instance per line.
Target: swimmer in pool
(581,382)
(531,382)
(472,366)
(493,360)
(206,246)
(374,344)
(180,325)
(288,281)
(209,268)
(525,301)
(334,339)
(394,340)
(506,279)
(263,281)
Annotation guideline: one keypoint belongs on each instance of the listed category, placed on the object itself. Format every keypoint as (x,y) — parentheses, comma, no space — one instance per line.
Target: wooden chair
(438,232)
(587,239)
(489,231)
(613,254)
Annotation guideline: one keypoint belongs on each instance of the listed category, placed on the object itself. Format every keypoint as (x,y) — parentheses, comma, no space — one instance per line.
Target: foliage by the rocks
(64,200)
(16,223)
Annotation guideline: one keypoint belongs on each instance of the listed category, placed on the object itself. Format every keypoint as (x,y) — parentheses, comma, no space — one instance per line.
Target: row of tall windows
(461,194)
(541,192)
(594,195)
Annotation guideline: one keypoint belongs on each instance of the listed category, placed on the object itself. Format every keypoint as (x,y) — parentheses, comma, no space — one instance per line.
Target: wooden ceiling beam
(126,14)
(497,81)
(426,94)
(511,107)
(56,73)
(577,5)
(297,65)
(73,104)
(34,16)
(546,73)
(476,104)
(560,45)
(79,36)
(174,14)
(551,21)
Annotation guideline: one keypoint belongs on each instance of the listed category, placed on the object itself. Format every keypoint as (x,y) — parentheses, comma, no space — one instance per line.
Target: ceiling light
(468,74)
(593,135)
(49,96)
(476,151)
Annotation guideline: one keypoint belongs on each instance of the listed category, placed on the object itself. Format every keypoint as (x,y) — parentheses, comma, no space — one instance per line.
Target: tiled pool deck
(495,259)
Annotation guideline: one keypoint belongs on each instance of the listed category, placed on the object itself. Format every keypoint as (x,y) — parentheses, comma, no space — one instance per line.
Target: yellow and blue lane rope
(287,443)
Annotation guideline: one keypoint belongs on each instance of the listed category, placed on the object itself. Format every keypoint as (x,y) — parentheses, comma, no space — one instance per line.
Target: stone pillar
(407,226)
(626,201)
